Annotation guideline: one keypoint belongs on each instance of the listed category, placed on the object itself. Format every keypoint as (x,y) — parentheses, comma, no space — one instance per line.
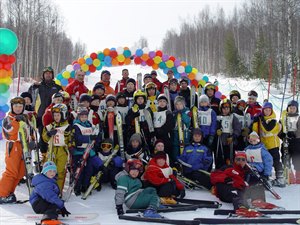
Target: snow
(103,202)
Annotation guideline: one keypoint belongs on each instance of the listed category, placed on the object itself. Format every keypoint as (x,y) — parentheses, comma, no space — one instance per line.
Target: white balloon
(133,50)
(145,50)
(69,68)
(198,76)
(180,69)
(120,50)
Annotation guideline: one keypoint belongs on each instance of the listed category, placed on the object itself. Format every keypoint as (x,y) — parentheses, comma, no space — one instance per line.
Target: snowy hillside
(103,202)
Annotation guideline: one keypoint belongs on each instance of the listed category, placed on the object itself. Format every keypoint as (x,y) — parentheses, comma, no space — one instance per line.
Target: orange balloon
(10,73)
(114,62)
(126,48)
(191,76)
(106,51)
(81,61)
(127,61)
(145,57)
(155,66)
(183,63)
(3,73)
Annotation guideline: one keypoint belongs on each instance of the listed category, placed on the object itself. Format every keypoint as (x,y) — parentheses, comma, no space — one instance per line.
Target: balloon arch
(124,56)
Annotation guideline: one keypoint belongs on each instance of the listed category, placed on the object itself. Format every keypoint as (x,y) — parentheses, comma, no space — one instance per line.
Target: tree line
(242,44)
(41,34)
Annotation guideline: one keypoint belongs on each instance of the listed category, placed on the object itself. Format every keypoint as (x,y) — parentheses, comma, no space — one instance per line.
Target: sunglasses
(106,146)
(240,159)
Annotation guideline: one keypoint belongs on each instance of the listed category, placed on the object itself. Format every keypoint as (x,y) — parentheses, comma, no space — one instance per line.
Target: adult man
(121,84)
(42,96)
(105,80)
(155,80)
(170,75)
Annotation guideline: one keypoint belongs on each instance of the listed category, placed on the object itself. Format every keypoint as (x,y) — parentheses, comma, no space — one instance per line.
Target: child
(95,103)
(83,134)
(159,146)
(129,91)
(291,130)
(15,166)
(234,96)
(163,122)
(185,91)
(99,89)
(114,167)
(173,90)
(147,79)
(122,108)
(186,122)
(253,106)
(207,120)
(229,128)
(45,197)
(268,129)
(197,159)
(57,98)
(136,150)
(160,175)
(58,133)
(129,191)
(151,92)
(93,116)
(210,90)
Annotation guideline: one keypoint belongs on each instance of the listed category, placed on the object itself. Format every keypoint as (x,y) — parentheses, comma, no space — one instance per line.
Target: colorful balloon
(8,41)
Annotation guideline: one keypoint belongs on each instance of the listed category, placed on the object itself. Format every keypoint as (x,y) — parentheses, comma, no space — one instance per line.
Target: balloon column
(8,45)
(124,56)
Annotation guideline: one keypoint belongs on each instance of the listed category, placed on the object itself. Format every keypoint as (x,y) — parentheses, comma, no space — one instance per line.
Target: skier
(147,79)
(229,128)
(99,89)
(253,107)
(170,75)
(160,175)
(151,92)
(155,80)
(173,84)
(129,191)
(58,133)
(185,91)
(95,103)
(105,80)
(15,165)
(29,110)
(196,160)
(159,146)
(136,150)
(210,90)
(268,129)
(163,123)
(57,98)
(121,84)
(234,96)
(129,91)
(122,109)
(83,134)
(45,197)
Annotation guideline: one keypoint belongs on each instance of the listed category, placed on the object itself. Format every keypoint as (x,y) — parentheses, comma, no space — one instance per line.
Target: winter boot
(297,180)
(151,213)
(279,181)
(9,199)
(167,201)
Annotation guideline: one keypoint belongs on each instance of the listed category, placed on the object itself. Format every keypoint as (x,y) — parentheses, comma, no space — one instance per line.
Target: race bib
(254,155)
(204,117)
(59,137)
(159,119)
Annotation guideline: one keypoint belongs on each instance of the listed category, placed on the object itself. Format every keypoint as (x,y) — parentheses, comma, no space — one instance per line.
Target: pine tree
(260,67)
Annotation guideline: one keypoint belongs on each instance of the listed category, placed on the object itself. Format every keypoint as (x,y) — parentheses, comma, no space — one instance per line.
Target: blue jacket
(196,155)
(46,189)
(259,157)
(209,129)
(186,122)
(80,139)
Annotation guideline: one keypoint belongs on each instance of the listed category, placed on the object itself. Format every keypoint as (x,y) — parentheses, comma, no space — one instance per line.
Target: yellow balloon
(169,63)
(84,67)
(66,74)
(121,58)
(57,82)
(6,80)
(86,56)
(96,62)
(202,82)
(157,59)
(194,70)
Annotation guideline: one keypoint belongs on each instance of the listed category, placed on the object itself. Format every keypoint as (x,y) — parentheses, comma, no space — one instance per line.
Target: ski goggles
(56,110)
(18,100)
(240,159)
(106,146)
(48,69)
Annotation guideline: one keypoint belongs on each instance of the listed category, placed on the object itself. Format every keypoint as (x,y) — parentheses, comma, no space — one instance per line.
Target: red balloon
(150,62)
(113,54)
(194,83)
(70,80)
(92,68)
(172,58)
(159,53)
(4,58)
(223,97)
(11,59)
(75,61)
(137,60)
(1,66)
(121,63)
(217,88)
(93,55)
(7,66)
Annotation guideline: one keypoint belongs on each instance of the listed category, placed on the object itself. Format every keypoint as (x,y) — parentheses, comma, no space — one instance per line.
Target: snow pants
(148,197)
(14,170)
(200,177)
(60,158)
(41,206)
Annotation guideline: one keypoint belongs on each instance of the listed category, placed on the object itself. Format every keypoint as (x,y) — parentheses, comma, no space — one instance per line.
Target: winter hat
(240,154)
(160,155)
(136,137)
(179,99)
(153,72)
(147,75)
(110,97)
(82,110)
(253,134)
(184,79)
(173,81)
(291,103)
(158,141)
(234,93)
(99,86)
(95,97)
(203,98)
(134,164)
(120,95)
(85,97)
(131,80)
(162,96)
(26,95)
(267,105)
(49,166)
(197,131)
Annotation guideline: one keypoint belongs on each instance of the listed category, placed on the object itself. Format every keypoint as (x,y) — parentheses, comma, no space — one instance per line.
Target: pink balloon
(218,94)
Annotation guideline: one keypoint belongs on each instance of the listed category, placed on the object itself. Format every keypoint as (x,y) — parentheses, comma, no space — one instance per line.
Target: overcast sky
(112,23)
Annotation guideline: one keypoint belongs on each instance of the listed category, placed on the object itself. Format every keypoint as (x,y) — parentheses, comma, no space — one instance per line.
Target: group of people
(209,141)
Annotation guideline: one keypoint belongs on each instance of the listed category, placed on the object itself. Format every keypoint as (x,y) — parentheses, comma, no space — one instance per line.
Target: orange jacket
(108,89)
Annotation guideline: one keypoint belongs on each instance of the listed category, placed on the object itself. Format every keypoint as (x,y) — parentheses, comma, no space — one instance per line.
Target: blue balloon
(3,101)
(107,59)
(177,76)
(4,108)
(59,76)
(87,73)
(139,52)
(88,61)
(166,70)
(73,74)
(113,49)
(64,82)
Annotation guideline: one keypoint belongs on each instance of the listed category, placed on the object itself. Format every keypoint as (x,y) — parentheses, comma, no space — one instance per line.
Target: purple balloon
(177,62)
(143,63)
(165,58)
(218,94)
(76,66)
(152,54)
(2,115)
(1,136)
(184,75)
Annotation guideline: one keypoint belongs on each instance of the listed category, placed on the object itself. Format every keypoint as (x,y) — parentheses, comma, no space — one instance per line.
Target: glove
(245,132)
(182,194)
(31,145)
(228,180)
(229,140)
(120,210)
(93,137)
(64,212)
(210,140)
(291,134)
(51,132)
(282,135)
(135,108)
(20,118)
(219,132)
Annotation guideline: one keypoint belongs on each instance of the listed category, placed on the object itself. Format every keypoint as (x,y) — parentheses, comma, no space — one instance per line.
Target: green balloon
(8,41)
(3,88)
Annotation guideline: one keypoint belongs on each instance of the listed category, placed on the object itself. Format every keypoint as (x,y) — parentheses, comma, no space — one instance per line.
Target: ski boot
(11,198)
(248,213)
(260,204)
(279,181)
(50,222)
(167,201)
(151,213)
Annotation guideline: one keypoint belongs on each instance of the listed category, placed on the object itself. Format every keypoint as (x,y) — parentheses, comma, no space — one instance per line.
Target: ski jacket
(198,156)
(166,84)
(290,124)
(187,96)
(76,88)
(42,95)
(254,109)
(230,126)
(260,158)
(173,95)
(108,88)
(116,160)
(207,119)
(268,129)
(186,122)
(47,189)
(129,98)
(140,152)
(120,85)
(62,138)
(163,122)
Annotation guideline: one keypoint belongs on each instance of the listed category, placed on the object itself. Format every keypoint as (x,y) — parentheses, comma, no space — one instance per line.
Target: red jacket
(122,84)
(47,117)
(254,109)
(76,88)
(158,84)
(160,175)
(166,84)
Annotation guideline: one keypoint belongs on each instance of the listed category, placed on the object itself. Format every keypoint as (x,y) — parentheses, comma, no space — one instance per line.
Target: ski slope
(103,202)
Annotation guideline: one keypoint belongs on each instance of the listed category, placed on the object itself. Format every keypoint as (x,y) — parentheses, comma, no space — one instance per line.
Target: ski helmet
(48,69)
(120,95)
(15,101)
(225,103)
(234,93)
(209,86)
(139,93)
(107,145)
(82,110)
(150,85)
(241,104)
(57,95)
(162,96)
(62,109)
(66,97)
(85,97)
(110,97)
(252,94)
(184,79)
(134,164)
(293,103)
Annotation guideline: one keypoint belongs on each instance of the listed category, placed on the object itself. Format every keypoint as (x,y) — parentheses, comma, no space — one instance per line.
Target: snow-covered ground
(103,202)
